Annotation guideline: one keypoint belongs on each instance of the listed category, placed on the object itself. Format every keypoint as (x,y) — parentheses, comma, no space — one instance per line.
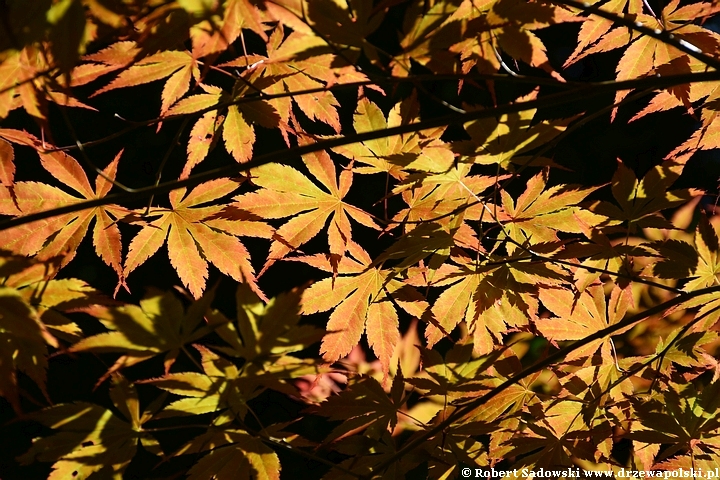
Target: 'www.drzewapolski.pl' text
(580,473)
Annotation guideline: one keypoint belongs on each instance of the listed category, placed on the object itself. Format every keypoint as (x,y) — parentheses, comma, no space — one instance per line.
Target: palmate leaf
(363,299)
(287,192)
(646,55)
(226,386)
(595,28)
(455,376)
(32,317)
(221,386)
(477,32)
(187,226)
(91,441)
(181,67)
(24,340)
(491,298)
(24,85)
(539,213)
(61,235)
(234,454)
(265,332)
(705,137)
(497,368)
(581,315)
(440,195)
(289,68)
(366,453)
(558,436)
(683,420)
(107,60)
(419,151)
(211,36)
(364,406)
(707,245)
(159,325)
(503,141)
(639,202)
(51,298)
(346,24)
(234,124)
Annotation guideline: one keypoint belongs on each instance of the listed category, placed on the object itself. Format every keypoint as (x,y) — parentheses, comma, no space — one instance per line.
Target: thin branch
(166,157)
(656,33)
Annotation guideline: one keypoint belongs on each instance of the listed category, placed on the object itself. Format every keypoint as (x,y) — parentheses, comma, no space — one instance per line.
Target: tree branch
(656,33)
(582,93)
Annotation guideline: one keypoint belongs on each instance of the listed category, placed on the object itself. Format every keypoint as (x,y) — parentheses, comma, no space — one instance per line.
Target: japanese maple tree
(358,239)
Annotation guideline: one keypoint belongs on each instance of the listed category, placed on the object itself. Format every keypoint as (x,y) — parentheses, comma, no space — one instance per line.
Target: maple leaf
(91,439)
(25,339)
(363,406)
(366,454)
(502,141)
(596,34)
(422,151)
(683,421)
(686,348)
(223,385)
(604,379)
(25,84)
(455,376)
(159,325)
(490,297)
(50,299)
(363,299)
(707,245)
(540,213)
(504,365)
(477,32)
(187,226)
(61,235)
(639,201)
(439,195)
(265,332)
(582,315)
(559,433)
(287,192)
(233,454)
(646,55)
(107,60)
(299,62)
(426,39)
(181,67)
(346,25)
(215,35)
(236,121)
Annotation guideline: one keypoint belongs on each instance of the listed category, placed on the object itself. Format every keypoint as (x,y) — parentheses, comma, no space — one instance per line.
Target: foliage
(472,301)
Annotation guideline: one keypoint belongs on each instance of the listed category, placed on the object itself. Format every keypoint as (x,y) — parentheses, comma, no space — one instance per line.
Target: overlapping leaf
(159,325)
(61,235)
(363,299)
(92,440)
(640,201)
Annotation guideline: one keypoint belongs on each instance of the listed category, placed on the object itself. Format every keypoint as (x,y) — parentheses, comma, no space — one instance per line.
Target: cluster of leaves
(478,312)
